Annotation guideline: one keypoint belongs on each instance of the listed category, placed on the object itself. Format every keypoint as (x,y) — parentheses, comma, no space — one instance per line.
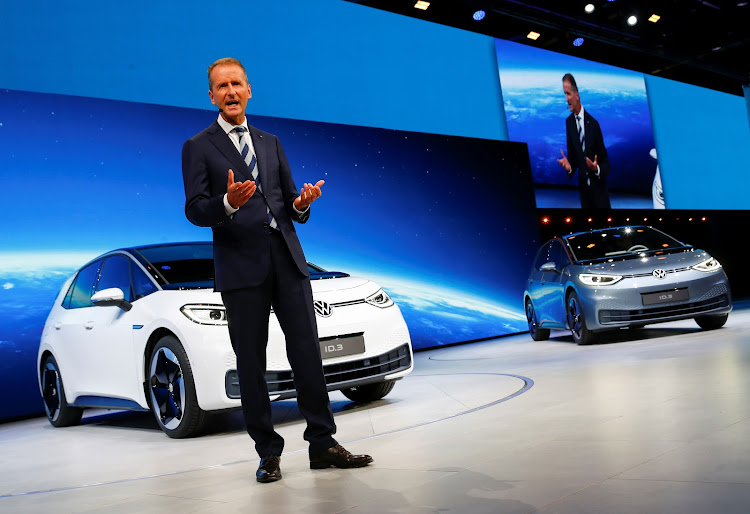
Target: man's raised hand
(593,165)
(564,161)
(238,193)
(308,194)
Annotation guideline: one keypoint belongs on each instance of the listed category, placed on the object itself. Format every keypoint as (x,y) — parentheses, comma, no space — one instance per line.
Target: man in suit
(586,151)
(238,182)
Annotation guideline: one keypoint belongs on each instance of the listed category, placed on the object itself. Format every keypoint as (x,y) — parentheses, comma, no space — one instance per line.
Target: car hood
(647,263)
(336,284)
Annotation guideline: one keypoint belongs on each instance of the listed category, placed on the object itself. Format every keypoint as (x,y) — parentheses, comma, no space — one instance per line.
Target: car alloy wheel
(172,390)
(537,334)
(59,413)
(577,322)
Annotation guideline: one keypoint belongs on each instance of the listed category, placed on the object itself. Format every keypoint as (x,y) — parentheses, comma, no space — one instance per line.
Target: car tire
(576,321)
(712,322)
(537,334)
(59,412)
(172,390)
(369,392)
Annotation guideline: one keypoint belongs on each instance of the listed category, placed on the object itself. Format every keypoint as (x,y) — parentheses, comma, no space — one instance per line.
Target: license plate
(674,295)
(352,344)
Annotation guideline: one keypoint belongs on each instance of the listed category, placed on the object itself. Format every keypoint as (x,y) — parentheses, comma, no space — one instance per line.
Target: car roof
(162,245)
(593,231)
(134,251)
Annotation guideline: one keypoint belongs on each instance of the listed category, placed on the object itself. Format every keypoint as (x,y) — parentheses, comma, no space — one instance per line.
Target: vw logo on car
(322,308)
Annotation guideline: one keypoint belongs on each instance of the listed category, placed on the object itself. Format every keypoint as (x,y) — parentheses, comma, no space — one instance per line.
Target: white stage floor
(652,420)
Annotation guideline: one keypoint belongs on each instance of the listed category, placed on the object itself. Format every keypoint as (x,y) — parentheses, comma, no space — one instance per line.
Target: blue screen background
(437,220)
(84,165)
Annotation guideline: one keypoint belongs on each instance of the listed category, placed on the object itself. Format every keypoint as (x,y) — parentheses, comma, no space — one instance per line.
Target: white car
(142,328)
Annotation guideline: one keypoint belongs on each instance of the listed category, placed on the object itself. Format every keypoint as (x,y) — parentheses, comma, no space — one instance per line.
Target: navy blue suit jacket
(595,194)
(241,246)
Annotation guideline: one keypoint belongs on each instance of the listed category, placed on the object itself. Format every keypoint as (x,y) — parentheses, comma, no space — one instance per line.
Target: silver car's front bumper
(622,304)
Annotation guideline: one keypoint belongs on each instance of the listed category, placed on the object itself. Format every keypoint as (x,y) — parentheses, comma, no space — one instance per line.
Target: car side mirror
(111,296)
(549,266)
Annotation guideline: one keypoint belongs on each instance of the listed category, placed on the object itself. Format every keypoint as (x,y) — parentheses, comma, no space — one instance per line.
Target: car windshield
(191,265)
(619,241)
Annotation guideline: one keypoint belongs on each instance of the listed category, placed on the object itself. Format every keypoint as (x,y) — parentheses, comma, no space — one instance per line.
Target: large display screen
(536,109)
(445,224)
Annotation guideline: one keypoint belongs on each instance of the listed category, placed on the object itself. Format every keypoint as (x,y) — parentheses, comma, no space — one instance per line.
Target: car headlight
(708,266)
(380,299)
(591,279)
(205,314)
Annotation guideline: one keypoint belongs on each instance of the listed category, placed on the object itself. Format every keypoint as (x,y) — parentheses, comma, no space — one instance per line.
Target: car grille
(665,312)
(337,375)
(650,273)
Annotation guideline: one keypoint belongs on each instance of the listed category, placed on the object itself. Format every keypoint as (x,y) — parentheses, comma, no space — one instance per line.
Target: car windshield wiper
(671,249)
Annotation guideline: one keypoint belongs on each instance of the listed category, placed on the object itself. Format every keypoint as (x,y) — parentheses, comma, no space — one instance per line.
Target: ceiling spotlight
(589,8)
(632,21)
(533,35)
(422,5)
(654,18)
(479,15)
(578,41)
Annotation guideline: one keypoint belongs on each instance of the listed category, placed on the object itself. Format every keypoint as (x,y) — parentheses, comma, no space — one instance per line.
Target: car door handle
(58,325)
(88,325)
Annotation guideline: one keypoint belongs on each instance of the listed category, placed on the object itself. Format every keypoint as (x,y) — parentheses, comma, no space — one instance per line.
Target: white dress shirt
(234,137)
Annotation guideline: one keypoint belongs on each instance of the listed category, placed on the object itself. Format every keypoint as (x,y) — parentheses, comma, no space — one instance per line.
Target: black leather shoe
(269,469)
(338,457)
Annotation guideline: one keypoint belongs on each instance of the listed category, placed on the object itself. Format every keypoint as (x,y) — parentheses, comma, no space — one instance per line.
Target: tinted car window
(182,265)
(541,256)
(191,265)
(116,273)
(83,286)
(66,300)
(558,255)
(554,254)
(142,284)
(602,244)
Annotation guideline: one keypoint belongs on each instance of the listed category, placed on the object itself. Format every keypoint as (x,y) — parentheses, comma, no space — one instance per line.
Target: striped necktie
(252,164)
(582,139)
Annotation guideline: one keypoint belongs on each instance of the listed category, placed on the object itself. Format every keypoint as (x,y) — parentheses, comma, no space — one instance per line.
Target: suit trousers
(248,309)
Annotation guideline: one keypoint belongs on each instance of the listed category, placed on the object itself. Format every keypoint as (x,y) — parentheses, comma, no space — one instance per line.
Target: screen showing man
(587,154)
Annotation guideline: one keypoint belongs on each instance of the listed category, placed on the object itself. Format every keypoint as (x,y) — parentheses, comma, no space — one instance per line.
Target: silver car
(622,277)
